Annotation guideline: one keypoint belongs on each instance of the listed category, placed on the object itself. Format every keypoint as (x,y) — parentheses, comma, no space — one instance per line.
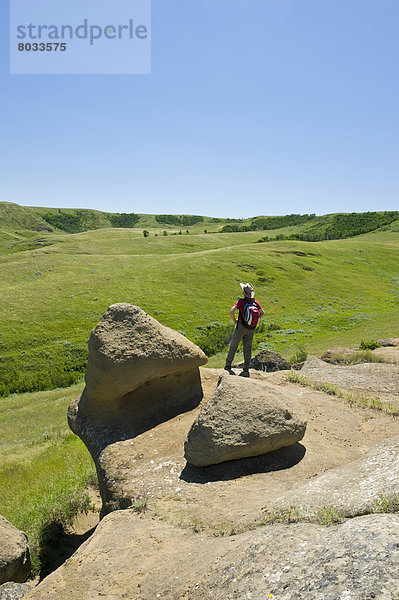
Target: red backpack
(250,314)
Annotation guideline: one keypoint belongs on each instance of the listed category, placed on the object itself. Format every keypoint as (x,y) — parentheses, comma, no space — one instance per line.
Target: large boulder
(14,554)
(243,418)
(139,374)
(143,559)
(369,484)
(129,348)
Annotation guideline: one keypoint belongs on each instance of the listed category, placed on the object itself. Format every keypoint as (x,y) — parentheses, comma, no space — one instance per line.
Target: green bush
(369,345)
(123,219)
(299,356)
(179,220)
(214,337)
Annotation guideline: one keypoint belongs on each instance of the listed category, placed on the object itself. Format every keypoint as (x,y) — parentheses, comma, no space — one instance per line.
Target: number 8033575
(42,47)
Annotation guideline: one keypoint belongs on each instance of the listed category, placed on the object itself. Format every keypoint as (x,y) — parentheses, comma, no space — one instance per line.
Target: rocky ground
(314,518)
(203,533)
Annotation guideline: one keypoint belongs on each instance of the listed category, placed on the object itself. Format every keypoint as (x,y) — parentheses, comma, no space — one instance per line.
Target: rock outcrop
(139,373)
(269,361)
(142,559)
(14,554)
(370,484)
(369,378)
(243,418)
(330,355)
(388,342)
(128,349)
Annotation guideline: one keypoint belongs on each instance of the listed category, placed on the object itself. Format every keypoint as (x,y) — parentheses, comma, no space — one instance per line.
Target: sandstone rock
(139,374)
(14,591)
(365,485)
(367,377)
(389,342)
(266,360)
(331,354)
(243,418)
(139,558)
(14,554)
(128,348)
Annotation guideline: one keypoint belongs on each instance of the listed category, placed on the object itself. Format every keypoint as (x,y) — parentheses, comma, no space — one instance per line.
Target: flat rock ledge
(369,484)
(367,378)
(138,558)
(243,418)
(15,562)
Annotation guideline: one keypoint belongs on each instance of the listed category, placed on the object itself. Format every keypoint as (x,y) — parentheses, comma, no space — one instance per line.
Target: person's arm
(232,315)
(261,311)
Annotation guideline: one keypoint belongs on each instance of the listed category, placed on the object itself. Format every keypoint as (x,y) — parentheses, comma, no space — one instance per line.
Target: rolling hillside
(314,294)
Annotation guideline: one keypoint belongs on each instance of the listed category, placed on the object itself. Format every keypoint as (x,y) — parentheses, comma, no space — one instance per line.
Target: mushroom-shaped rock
(139,374)
(14,553)
(243,418)
(129,348)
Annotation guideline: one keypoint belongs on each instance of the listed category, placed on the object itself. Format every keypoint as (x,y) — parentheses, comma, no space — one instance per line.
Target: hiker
(249,313)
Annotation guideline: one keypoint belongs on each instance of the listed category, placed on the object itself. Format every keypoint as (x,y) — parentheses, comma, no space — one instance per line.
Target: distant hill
(19,221)
(15,217)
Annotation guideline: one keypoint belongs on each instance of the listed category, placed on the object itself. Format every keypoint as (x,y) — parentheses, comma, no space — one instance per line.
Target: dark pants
(246,335)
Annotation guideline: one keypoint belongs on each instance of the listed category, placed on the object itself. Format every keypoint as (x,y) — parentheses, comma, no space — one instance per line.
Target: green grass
(319,294)
(355,358)
(44,468)
(56,286)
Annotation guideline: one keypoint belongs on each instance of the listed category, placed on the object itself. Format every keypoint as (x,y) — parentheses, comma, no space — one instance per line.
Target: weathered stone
(14,554)
(389,342)
(269,361)
(14,591)
(367,377)
(139,374)
(138,558)
(140,410)
(370,484)
(128,349)
(243,418)
(331,354)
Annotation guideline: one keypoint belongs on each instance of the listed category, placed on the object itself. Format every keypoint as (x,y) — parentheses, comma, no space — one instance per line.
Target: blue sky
(252,107)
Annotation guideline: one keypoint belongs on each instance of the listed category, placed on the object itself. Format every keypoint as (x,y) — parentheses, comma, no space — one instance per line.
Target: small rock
(14,591)
(269,361)
(14,554)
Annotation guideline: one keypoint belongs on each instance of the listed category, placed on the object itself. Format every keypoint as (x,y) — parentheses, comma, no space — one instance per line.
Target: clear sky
(253,107)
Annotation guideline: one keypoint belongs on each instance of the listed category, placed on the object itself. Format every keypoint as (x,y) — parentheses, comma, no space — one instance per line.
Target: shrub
(214,337)
(123,219)
(299,356)
(369,345)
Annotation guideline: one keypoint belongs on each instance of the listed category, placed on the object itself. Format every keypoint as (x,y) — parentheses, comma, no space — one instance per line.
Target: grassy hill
(314,294)
(56,285)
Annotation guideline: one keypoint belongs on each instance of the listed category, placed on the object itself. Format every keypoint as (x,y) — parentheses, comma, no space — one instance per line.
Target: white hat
(247,290)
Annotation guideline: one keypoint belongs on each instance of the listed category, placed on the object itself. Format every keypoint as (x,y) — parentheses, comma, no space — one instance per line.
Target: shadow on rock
(57,545)
(284,458)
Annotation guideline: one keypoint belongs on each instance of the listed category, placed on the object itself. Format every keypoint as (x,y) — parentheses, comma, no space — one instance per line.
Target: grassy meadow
(55,287)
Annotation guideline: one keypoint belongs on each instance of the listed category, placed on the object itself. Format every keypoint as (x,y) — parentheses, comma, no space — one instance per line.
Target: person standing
(249,314)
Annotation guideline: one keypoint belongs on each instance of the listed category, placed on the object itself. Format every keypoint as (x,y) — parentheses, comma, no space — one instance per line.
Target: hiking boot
(244,373)
(229,370)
